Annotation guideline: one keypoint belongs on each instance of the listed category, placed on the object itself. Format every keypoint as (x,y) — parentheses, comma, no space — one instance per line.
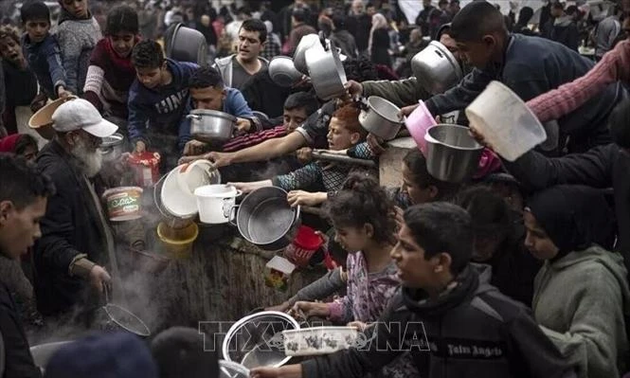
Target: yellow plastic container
(178,242)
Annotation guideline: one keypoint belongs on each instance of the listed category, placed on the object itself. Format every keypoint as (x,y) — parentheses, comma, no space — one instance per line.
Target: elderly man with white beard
(76,242)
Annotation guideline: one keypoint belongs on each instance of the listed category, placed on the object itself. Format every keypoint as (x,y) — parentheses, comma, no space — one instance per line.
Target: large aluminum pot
(282,71)
(256,340)
(381,118)
(436,69)
(43,352)
(326,72)
(264,218)
(112,147)
(452,154)
(299,56)
(211,125)
(186,44)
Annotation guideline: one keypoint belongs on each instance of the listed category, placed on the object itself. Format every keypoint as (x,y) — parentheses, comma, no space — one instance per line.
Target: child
(360,214)
(452,322)
(19,80)
(581,294)
(182,352)
(158,100)
(418,185)
(42,51)
(20,144)
(77,33)
(111,73)
(345,132)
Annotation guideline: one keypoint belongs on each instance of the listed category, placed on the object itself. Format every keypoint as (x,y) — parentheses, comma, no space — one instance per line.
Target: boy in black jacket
(446,314)
(23,198)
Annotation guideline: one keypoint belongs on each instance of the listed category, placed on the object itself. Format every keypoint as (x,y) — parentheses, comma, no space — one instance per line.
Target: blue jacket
(44,59)
(161,109)
(533,66)
(233,104)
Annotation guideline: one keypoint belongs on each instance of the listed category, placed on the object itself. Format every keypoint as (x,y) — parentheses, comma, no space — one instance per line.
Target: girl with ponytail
(361,215)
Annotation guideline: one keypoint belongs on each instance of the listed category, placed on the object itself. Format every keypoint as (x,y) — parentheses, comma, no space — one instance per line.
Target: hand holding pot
(375,144)
(301,197)
(354,88)
(243,125)
(305,155)
(405,111)
(247,187)
(479,137)
(282,307)
(311,309)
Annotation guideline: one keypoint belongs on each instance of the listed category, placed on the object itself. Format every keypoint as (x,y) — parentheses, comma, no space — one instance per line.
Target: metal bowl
(229,369)
(452,154)
(186,44)
(112,147)
(256,340)
(211,126)
(381,118)
(436,69)
(283,72)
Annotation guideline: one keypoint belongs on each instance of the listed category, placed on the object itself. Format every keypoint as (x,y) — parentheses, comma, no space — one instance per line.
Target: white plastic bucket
(215,203)
(506,123)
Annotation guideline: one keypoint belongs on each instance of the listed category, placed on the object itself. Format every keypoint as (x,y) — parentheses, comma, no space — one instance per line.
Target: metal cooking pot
(112,147)
(436,69)
(283,72)
(452,154)
(211,125)
(326,72)
(380,117)
(264,218)
(186,44)
(43,352)
(256,340)
(299,56)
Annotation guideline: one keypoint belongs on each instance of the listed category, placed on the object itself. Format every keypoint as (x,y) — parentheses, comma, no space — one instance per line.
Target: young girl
(581,294)
(111,73)
(361,216)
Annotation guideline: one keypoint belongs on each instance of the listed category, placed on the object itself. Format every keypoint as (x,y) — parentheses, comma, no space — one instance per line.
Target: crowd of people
(521,271)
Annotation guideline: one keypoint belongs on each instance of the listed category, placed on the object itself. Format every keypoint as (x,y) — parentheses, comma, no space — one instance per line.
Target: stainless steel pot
(381,118)
(186,44)
(264,218)
(452,154)
(112,147)
(326,72)
(256,340)
(211,126)
(299,56)
(436,69)
(282,71)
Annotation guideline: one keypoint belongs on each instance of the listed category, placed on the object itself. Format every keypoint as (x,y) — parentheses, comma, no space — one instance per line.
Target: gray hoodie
(580,301)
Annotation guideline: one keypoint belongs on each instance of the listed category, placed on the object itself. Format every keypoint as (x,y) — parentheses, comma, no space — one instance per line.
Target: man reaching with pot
(76,241)
(23,196)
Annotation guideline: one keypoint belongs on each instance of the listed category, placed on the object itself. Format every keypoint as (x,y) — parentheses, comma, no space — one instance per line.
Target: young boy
(77,33)
(446,314)
(42,51)
(19,81)
(160,98)
(344,133)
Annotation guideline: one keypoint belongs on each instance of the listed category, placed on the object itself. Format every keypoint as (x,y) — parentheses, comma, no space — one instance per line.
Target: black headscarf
(574,217)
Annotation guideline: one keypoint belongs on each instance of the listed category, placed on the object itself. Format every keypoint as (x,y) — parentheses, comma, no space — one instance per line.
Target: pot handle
(232,218)
(194,116)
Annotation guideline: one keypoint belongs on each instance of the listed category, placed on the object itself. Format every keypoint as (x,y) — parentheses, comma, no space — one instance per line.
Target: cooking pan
(326,72)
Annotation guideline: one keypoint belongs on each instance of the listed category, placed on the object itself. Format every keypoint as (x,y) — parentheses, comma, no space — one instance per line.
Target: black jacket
(18,360)
(71,227)
(600,167)
(472,331)
(534,66)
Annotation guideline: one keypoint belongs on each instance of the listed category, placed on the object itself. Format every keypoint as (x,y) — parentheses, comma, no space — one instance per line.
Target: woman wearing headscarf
(581,295)
(378,45)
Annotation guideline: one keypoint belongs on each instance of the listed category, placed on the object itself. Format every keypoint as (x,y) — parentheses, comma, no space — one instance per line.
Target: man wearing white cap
(76,240)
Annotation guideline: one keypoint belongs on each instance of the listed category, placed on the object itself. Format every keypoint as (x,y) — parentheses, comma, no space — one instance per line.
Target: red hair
(348,115)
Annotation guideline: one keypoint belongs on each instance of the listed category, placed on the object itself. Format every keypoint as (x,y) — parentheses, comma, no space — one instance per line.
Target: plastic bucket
(124,203)
(305,244)
(505,122)
(418,122)
(178,242)
(215,203)
(146,167)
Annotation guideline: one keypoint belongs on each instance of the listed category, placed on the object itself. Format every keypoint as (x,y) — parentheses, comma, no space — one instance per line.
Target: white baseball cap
(81,114)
